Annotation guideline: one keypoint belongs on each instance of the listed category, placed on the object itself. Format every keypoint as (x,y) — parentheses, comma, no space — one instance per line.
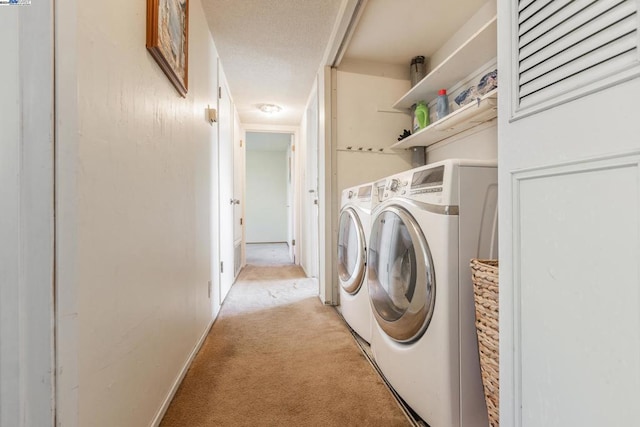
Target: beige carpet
(268,254)
(277,357)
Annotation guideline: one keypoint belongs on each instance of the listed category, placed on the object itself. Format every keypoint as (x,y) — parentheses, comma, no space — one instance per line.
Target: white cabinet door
(569,166)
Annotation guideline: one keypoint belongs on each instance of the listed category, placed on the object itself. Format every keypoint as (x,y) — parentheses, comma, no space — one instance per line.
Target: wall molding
(183,372)
(594,164)
(27,334)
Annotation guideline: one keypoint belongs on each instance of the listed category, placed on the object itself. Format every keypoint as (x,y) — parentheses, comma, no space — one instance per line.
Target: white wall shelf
(464,118)
(479,49)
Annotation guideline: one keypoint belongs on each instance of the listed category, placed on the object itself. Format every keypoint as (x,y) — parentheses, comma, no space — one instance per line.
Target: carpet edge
(183,372)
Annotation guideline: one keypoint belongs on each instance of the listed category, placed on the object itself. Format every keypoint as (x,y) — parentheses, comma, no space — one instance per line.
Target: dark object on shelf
(404,134)
(418,70)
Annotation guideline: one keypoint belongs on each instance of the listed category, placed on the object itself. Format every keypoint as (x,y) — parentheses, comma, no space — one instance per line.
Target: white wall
(362,118)
(26,221)
(481,17)
(136,200)
(366,120)
(266,205)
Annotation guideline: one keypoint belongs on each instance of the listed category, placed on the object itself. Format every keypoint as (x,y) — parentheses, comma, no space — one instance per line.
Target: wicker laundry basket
(485,289)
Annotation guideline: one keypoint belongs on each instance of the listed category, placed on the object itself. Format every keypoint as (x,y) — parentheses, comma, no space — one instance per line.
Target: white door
(227,200)
(238,185)
(569,166)
(291,200)
(312,206)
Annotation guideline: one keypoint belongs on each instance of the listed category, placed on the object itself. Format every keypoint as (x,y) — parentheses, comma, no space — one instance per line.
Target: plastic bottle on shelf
(414,120)
(442,104)
(422,115)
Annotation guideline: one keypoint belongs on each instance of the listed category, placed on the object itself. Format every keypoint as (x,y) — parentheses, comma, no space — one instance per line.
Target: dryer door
(401,279)
(351,251)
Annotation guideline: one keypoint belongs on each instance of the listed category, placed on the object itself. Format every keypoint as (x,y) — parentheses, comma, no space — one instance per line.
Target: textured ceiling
(393,32)
(271,51)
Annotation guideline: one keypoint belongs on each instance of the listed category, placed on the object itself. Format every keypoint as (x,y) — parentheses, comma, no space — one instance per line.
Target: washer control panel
(427,180)
(364,192)
(395,185)
(427,190)
(425,184)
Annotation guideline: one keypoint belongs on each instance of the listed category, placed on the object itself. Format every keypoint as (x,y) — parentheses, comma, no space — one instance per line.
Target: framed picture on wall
(168,39)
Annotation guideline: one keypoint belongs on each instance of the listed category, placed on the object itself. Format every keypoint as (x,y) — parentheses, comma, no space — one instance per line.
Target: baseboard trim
(167,401)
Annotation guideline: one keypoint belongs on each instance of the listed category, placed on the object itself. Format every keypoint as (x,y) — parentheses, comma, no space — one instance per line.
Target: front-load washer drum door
(401,277)
(351,252)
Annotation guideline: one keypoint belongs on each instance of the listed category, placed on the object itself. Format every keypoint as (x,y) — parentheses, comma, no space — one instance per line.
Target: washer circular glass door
(351,251)
(401,278)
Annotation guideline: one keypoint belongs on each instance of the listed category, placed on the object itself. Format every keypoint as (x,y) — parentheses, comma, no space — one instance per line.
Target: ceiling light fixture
(270,108)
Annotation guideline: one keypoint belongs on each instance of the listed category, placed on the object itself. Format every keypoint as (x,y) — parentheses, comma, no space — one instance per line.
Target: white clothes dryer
(353,235)
(432,221)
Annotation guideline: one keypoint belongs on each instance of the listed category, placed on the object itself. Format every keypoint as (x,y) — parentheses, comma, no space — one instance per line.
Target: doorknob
(234,202)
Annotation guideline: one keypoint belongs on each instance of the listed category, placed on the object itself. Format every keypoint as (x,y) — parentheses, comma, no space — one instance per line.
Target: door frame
(311,185)
(294,209)
(223,278)
(27,329)
(291,197)
(348,17)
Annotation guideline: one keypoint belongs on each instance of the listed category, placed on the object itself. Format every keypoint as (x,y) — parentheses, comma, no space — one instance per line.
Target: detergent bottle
(442,104)
(422,115)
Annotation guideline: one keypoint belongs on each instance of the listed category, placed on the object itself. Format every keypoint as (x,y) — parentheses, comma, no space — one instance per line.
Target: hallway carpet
(277,357)
(268,254)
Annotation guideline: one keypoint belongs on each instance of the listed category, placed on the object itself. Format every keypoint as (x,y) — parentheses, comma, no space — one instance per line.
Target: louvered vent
(564,46)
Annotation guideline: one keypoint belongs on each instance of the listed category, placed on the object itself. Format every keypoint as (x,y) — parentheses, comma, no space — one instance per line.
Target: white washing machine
(431,222)
(353,235)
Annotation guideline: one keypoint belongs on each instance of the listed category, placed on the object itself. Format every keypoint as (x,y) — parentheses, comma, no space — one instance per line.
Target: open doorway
(269,198)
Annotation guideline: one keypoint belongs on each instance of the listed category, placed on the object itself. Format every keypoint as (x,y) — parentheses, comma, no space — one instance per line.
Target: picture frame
(168,39)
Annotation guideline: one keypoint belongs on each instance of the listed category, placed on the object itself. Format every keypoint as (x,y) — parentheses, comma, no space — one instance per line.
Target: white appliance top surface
(435,183)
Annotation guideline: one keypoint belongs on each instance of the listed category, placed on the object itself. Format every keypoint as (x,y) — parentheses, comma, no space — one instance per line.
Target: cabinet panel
(576,281)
